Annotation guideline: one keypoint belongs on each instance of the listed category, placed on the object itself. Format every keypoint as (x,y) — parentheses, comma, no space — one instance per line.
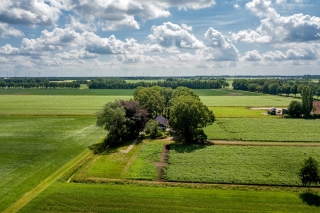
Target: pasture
(240,112)
(261,129)
(64,197)
(263,165)
(32,148)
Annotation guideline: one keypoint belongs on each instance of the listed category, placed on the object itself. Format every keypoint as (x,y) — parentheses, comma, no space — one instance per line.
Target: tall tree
(188,114)
(309,172)
(307,100)
(151,99)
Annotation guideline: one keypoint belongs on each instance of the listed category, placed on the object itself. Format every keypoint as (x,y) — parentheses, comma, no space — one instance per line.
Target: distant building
(163,122)
(316,104)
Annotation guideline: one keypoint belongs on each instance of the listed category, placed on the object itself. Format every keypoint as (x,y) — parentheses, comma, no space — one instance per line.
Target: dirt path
(259,143)
(25,199)
(163,162)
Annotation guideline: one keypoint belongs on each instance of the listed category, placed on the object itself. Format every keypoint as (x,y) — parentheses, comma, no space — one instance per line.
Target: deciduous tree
(309,172)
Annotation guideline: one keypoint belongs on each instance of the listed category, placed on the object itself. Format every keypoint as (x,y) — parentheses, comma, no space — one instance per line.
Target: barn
(316,104)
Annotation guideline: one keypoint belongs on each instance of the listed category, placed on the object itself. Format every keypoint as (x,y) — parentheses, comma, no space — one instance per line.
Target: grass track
(64,197)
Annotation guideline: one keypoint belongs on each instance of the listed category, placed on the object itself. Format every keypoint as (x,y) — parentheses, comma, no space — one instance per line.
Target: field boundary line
(26,198)
(261,143)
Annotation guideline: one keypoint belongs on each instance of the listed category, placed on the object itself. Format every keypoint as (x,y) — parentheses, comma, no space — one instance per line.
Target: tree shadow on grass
(186,148)
(310,198)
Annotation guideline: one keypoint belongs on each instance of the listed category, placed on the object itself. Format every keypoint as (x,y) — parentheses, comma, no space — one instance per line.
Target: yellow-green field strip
(15,207)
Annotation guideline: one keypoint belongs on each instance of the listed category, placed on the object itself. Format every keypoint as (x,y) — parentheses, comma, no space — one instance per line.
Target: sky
(159,37)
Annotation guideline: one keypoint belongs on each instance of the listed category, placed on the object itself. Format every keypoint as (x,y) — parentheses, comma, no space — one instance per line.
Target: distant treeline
(39,83)
(113,83)
(275,86)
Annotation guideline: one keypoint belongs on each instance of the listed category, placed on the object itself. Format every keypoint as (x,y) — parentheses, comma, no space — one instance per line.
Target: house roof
(317,105)
(162,120)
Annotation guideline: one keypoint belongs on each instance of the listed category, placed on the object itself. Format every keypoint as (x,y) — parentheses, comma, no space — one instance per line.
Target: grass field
(260,129)
(269,165)
(70,92)
(63,197)
(249,101)
(143,167)
(225,92)
(32,148)
(240,112)
(110,164)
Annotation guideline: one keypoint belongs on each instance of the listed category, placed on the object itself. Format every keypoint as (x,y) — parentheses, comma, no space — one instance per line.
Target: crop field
(260,129)
(270,165)
(54,105)
(143,167)
(240,112)
(64,197)
(32,148)
(247,101)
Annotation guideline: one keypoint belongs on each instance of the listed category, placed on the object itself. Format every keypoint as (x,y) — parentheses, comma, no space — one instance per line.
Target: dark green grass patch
(268,165)
(225,92)
(32,148)
(82,91)
(63,197)
(260,129)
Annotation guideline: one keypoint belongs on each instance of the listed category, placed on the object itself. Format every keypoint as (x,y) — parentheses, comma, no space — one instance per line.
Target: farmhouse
(163,122)
(316,104)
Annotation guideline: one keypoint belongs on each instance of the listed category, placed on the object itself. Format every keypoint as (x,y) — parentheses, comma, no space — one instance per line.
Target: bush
(200,136)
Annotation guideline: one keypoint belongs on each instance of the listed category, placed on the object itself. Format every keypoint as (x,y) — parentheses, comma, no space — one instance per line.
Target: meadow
(240,112)
(263,165)
(64,197)
(261,129)
(32,148)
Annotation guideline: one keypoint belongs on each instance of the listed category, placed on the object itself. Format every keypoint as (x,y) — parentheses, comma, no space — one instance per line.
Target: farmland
(42,130)
(64,197)
(261,129)
(267,165)
(32,148)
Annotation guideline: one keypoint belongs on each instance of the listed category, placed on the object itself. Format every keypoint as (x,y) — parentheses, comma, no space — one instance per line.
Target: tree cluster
(276,86)
(38,83)
(115,83)
(296,108)
(126,119)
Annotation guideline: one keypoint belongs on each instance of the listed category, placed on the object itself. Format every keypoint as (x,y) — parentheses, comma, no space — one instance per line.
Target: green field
(260,129)
(247,101)
(110,164)
(32,148)
(270,165)
(240,112)
(63,197)
(143,167)
(225,92)
(70,92)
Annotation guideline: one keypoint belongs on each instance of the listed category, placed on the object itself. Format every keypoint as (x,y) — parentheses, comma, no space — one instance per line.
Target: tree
(307,100)
(112,118)
(123,119)
(294,90)
(188,114)
(150,98)
(309,172)
(184,91)
(295,109)
(273,88)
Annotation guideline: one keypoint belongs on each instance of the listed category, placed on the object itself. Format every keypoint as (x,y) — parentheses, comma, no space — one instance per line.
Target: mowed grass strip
(32,148)
(63,197)
(248,101)
(240,112)
(237,164)
(143,168)
(54,105)
(260,129)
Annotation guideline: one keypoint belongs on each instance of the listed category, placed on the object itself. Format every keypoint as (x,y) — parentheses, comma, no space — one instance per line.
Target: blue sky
(159,37)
